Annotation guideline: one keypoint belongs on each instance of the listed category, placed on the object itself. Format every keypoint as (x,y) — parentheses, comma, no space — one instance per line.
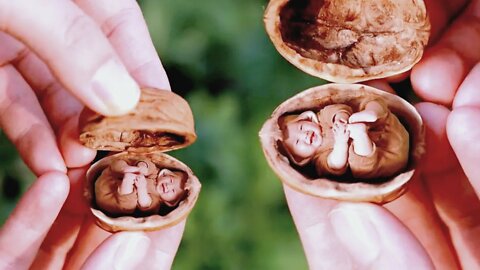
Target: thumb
(345,235)
(125,250)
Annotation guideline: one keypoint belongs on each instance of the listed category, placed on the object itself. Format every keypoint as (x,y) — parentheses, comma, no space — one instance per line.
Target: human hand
(86,59)
(435,224)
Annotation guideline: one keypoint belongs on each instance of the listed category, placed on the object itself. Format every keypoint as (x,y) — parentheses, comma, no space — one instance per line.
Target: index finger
(76,51)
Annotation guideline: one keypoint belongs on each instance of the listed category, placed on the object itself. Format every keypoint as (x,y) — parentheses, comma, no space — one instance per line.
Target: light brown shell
(149,223)
(161,121)
(318,97)
(349,41)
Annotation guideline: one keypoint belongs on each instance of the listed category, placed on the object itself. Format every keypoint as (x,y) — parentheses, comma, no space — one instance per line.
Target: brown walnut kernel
(349,40)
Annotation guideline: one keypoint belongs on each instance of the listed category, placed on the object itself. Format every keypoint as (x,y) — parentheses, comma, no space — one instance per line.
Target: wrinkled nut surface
(349,40)
(348,189)
(161,121)
(151,222)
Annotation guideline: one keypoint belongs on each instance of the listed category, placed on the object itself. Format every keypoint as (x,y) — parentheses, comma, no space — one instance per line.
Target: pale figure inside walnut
(369,143)
(126,187)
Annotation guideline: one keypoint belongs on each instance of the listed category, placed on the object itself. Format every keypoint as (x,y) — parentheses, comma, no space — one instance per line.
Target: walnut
(300,173)
(349,40)
(129,191)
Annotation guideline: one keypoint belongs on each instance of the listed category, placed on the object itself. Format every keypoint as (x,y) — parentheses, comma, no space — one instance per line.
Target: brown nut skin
(348,41)
(161,121)
(317,97)
(152,222)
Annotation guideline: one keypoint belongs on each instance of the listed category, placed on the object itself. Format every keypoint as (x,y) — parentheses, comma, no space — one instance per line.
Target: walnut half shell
(346,189)
(162,121)
(148,223)
(349,40)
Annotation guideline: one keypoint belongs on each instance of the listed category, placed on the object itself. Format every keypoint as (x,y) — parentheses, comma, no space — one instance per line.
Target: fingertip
(55,186)
(467,94)
(115,91)
(463,129)
(398,77)
(437,77)
(440,156)
(382,85)
(74,153)
(124,250)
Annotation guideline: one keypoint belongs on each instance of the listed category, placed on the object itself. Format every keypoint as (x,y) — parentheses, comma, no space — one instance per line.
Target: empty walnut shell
(161,121)
(148,223)
(349,40)
(347,189)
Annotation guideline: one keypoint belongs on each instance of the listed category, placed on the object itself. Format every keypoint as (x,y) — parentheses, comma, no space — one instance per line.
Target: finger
(64,232)
(25,124)
(440,156)
(22,234)
(125,250)
(440,13)
(452,194)
(58,242)
(76,155)
(76,51)
(463,129)
(442,69)
(467,95)
(417,212)
(123,24)
(382,85)
(60,107)
(89,238)
(398,78)
(346,235)
(165,245)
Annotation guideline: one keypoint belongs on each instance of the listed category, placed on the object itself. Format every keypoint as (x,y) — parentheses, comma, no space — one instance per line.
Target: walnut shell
(161,121)
(349,40)
(349,189)
(152,222)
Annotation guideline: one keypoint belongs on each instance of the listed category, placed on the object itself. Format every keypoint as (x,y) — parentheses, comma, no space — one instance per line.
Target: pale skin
(443,196)
(49,82)
(448,75)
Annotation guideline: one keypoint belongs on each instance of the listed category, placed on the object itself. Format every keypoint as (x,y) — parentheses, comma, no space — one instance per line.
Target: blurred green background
(218,57)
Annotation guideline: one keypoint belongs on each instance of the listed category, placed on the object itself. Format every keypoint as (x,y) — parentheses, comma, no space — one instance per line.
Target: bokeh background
(219,58)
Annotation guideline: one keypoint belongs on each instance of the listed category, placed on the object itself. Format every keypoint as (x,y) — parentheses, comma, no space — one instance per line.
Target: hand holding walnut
(57,51)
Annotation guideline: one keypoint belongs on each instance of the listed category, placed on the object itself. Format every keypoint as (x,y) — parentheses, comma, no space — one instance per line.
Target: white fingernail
(131,251)
(357,234)
(115,88)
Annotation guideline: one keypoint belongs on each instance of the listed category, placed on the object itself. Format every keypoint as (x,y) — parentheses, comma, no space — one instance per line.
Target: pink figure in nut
(122,189)
(371,142)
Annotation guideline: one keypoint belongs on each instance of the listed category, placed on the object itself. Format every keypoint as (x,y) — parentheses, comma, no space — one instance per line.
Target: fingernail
(131,251)
(115,89)
(356,232)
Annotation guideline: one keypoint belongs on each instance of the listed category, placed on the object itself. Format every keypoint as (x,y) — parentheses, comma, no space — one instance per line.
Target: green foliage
(220,59)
